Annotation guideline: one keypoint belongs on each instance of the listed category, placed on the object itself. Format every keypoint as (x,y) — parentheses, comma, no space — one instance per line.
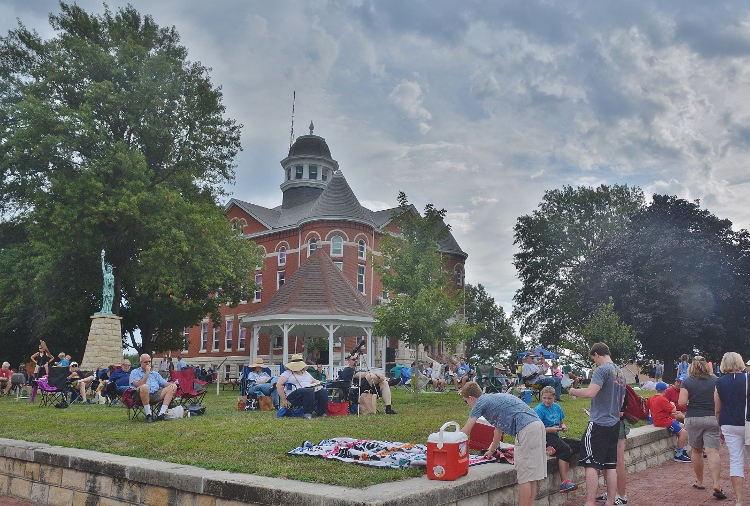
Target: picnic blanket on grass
(388,454)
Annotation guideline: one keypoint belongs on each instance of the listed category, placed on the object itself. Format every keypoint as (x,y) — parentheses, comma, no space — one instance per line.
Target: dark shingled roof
(317,288)
(338,199)
(310,145)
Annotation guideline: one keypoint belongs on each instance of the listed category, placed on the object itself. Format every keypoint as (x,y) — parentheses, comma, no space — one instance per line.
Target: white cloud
(407,95)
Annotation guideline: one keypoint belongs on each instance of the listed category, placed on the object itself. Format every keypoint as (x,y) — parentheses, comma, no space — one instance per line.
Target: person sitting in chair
(535,374)
(262,383)
(152,388)
(307,390)
(369,380)
(79,383)
(5,378)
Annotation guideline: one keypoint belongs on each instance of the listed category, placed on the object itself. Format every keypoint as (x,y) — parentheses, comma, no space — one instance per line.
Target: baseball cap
(661,386)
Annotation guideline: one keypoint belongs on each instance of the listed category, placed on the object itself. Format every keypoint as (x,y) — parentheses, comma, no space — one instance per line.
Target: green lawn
(253,442)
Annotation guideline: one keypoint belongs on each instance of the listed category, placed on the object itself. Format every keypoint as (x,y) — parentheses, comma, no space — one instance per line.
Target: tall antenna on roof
(291,133)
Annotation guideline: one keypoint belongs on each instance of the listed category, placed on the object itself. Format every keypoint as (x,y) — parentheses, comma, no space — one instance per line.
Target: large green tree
(552,241)
(111,139)
(424,306)
(679,276)
(495,339)
(604,326)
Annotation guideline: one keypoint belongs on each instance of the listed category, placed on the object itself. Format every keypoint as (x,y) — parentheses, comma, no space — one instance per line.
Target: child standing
(663,415)
(551,414)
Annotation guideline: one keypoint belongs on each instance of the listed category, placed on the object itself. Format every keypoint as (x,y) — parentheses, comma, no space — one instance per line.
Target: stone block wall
(57,476)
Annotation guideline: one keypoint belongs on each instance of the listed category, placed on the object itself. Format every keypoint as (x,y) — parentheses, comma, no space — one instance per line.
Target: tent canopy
(547,354)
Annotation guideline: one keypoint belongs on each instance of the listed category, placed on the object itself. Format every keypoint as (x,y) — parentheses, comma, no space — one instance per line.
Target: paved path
(670,484)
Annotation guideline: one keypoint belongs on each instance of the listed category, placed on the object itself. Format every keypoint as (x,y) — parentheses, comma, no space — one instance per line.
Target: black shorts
(599,446)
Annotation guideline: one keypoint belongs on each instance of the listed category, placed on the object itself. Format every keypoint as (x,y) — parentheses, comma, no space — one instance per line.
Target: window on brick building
(282,255)
(361,250)
(337,246)
(259,288)
(280,277)
(361,278)
(204,336)
(217,335)
(228,335)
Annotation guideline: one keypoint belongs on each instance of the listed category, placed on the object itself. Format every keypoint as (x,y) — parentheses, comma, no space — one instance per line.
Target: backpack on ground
(635,406)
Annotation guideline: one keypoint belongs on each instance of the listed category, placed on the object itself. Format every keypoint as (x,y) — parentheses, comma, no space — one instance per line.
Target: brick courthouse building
(318,211)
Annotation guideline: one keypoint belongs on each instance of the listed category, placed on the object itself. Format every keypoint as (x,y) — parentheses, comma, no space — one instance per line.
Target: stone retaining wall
(56,476)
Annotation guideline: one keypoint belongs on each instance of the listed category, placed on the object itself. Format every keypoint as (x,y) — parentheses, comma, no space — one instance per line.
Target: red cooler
(447,454)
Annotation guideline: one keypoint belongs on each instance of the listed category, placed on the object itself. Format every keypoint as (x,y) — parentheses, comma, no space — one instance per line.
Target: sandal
(695,485)
(719,494)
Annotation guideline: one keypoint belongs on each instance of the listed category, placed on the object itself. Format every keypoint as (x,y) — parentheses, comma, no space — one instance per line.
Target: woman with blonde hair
(730,399)
(697,394)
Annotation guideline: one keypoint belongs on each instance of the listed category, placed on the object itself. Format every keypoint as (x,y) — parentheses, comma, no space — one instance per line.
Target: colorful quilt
(375,453)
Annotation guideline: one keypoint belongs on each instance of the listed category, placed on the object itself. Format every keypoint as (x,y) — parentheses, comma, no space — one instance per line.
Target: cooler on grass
(447,454)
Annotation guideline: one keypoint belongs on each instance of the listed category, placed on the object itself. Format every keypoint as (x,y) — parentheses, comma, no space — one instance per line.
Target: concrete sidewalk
(670,484)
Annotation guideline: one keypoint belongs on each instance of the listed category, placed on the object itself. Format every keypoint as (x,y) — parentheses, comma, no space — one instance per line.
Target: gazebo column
(331,328)
(255,343)
(370,350)
(286,327)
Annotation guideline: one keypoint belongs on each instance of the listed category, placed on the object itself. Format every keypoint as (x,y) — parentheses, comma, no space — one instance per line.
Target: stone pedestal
(104,346)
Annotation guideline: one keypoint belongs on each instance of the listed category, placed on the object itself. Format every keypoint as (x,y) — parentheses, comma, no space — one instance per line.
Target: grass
(252,442)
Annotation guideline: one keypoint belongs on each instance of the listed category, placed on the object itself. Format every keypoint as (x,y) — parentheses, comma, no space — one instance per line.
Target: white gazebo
(317,301)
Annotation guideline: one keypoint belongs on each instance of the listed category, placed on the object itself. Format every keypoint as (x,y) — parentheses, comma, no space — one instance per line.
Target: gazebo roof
(317,294)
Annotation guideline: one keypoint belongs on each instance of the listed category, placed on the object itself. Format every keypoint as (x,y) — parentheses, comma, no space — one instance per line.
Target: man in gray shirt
(599,441)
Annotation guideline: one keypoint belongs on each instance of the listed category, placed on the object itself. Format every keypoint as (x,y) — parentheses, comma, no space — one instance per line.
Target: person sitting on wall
(369,380)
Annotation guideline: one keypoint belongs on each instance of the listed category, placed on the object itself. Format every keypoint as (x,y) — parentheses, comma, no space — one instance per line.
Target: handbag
(367,404)
(747,426)
(265,403)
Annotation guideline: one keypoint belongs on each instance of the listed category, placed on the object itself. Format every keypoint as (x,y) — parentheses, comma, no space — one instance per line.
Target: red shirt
(661,409)
(6,374)
(673,394)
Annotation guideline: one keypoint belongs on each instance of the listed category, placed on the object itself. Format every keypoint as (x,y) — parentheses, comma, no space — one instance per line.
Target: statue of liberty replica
(108,289)
(104,346)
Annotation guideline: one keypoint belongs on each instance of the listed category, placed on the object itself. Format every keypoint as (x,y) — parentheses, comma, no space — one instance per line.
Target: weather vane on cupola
(312,127)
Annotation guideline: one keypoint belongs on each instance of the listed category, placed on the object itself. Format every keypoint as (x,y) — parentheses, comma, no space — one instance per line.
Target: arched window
(312,245)
(282,255)
(459,276)
(361,249)
(337,246)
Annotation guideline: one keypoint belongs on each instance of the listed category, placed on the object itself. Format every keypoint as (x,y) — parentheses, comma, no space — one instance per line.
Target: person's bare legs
(385,392)
(610,475)
(144,396)
(167,394)
(621,470)
(592,484)
(737,483)
(563,467)
(526,493)
(714,466)
(696,455)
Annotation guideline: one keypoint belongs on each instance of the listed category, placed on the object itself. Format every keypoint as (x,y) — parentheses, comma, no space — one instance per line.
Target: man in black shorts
(599,441)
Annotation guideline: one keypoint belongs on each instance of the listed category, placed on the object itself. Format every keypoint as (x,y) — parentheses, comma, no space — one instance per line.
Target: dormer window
(312,172)
(298,171)
(324,174)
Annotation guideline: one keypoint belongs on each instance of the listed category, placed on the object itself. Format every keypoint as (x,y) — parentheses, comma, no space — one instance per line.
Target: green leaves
(113,140)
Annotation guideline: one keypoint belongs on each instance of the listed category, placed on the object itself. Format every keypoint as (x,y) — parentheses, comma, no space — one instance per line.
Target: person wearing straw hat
(262,382)
(306,390)
(41,359)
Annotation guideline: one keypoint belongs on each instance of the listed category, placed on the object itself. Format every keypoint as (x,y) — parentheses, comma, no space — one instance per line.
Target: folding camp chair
(132,401)
(190,391)
(54,389)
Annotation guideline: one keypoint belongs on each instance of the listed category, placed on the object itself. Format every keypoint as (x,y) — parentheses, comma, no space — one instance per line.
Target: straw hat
(297,363)
(258,362)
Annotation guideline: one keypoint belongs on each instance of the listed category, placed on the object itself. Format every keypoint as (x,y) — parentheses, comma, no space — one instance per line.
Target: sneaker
(308,416)
(568,486)
(149,418)
(682,457)
(620,500)
(389,411)
(161,418)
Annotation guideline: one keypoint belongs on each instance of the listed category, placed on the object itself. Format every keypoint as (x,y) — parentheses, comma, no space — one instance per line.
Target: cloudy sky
(478,107)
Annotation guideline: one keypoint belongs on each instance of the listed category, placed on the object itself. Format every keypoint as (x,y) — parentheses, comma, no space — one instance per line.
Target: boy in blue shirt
(552,416)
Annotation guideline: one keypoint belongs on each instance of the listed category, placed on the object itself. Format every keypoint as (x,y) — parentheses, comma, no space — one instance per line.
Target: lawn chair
(487,382)
(189,390)
(54,389)
(132,401)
